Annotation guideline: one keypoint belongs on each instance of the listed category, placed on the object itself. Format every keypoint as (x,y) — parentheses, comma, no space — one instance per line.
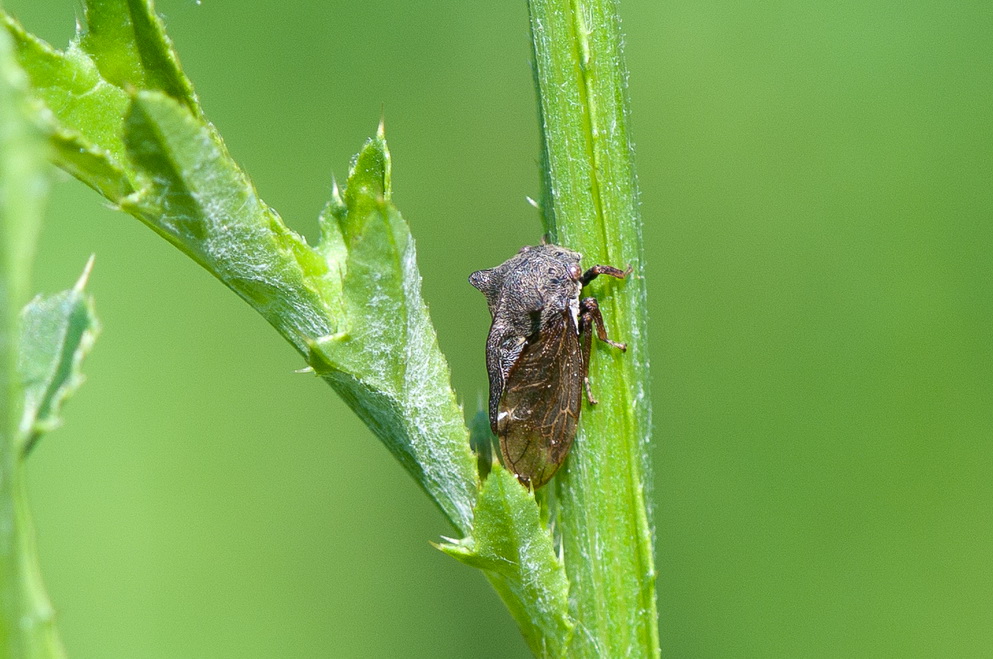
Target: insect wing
(537,414)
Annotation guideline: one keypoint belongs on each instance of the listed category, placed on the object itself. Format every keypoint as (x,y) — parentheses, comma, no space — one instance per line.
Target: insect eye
(575,272)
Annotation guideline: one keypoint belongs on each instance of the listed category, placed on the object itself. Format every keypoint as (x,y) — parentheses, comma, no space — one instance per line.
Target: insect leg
(586,342)
(596,270)
(590,318)
(589,312)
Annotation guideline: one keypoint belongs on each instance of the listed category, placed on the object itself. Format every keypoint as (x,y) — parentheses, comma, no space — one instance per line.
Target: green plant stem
(26,628)
(590,205)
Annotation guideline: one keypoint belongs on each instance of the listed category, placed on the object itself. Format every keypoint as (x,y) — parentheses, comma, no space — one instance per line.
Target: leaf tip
(459,549)
(369,174)
(85,276)
(320,352)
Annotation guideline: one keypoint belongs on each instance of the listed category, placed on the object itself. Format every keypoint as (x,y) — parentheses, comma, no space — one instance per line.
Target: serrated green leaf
(514,548)
(88,86)
(194,195)
(91,165)
(352,305)
(384,359)
(128,42)
(57,331)
(86,112)
(167,166)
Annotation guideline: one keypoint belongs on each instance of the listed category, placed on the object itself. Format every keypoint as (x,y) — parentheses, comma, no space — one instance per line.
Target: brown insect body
(537,354)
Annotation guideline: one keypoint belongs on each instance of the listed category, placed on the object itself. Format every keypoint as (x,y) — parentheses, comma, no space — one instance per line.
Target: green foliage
(41,350)
(86,111)
(129,46)
(351,304)
(145,145)
(383,357)
(88,87)
(123,118)
(196,197)
(511,544)
(57,331)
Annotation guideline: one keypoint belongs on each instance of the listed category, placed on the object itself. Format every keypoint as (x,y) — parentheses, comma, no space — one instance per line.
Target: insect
(538,354)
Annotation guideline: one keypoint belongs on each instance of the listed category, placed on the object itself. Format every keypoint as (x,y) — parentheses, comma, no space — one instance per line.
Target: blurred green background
(817,188)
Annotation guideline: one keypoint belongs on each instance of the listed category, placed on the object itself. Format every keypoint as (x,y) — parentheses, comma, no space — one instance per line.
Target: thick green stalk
(590,204)
(26,628)
(16,210)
